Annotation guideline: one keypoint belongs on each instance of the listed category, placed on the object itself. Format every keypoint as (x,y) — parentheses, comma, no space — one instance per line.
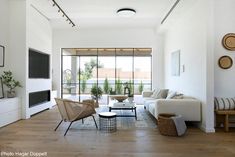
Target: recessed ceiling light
(126,12)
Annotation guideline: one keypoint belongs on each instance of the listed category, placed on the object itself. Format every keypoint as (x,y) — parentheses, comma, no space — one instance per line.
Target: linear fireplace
(40,97)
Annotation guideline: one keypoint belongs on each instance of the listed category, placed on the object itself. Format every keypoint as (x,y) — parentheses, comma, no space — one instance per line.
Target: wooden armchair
(72,111)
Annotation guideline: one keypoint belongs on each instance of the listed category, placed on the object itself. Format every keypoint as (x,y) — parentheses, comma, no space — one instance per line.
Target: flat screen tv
(39,64)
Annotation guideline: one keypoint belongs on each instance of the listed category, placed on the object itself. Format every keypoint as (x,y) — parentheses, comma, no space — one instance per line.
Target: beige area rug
(143,119)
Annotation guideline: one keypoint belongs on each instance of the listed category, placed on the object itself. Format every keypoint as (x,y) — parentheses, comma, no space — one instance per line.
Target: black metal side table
(108,122)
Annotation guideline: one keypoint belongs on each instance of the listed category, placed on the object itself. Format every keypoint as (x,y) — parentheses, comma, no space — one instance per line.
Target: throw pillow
(171,94)
(178,96)
(162,94)
(224,103)
(154,93)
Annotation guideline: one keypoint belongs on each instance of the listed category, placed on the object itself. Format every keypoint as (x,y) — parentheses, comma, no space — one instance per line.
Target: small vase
(11,94)
(131,99)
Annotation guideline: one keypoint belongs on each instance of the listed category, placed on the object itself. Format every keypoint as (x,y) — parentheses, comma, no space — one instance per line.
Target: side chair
(72,111)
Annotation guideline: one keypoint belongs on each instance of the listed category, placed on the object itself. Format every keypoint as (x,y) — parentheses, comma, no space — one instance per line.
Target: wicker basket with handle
(166,125)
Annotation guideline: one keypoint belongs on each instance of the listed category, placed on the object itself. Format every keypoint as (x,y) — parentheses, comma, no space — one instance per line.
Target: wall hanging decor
(228,41)
(225,62)
(1,89)
(2,54)
(175,63)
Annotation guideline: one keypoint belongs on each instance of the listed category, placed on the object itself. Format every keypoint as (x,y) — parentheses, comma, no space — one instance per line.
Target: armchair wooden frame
(72,111)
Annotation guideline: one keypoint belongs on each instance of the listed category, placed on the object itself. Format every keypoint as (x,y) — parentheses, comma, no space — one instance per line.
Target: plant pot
(96,103)
(11,94)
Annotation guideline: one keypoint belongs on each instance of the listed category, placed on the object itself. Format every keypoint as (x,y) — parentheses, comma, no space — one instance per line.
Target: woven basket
(166,125)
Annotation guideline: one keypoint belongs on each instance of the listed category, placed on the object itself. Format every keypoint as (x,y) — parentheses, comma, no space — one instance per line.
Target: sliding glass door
(106,72)
(88,75)
(108,69)
(70,81)
(142,74)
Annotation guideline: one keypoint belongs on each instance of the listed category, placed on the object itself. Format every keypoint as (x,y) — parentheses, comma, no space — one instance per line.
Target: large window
(142,74)
(88,75)
(108,69)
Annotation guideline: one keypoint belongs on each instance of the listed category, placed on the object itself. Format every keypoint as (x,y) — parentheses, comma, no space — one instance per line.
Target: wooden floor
(37,135)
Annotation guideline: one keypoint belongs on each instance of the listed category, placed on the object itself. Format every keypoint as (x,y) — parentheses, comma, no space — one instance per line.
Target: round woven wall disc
(229,41)
(225,62)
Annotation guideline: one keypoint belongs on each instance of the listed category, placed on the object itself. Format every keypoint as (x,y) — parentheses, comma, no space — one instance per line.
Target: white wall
(4,31)
(17,45)
(224,23)
(105,38)
(39,37)
(190,34)
(27,29)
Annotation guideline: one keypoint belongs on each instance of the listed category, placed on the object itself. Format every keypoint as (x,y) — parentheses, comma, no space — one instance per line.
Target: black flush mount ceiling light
(61,11)
(126,12)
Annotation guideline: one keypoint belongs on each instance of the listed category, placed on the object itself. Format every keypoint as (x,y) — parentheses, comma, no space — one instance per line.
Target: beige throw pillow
(171,94)
(162,94)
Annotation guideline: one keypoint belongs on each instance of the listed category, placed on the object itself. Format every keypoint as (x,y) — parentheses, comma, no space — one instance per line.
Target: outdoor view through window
(84,69)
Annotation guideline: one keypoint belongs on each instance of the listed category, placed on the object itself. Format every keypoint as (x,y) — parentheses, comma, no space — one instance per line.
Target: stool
(108,122)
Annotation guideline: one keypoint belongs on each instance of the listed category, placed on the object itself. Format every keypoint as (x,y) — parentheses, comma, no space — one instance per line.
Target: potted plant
(96,93)
(118,86)
(106,86)
(10,82)
(141,87)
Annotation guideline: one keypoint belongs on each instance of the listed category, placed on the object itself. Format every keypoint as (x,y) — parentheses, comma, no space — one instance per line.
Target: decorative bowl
(119,98)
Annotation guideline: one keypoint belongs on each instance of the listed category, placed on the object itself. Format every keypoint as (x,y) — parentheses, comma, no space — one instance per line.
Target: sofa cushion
(190,109)
(152,108)
(146,102)
(171,94)
(148,99)
(155,92)
(147,94)
(161,94)
(224,103)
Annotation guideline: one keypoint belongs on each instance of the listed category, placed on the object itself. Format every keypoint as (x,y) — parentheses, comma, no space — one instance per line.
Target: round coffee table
(108,122)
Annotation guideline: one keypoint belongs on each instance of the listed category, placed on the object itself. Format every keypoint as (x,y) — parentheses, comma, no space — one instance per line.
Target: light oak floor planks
(36,135)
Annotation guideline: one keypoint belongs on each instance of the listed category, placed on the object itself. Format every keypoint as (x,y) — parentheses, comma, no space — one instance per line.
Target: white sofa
(188,107)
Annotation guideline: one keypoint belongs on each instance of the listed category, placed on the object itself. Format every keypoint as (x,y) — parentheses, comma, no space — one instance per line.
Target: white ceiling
(102,13)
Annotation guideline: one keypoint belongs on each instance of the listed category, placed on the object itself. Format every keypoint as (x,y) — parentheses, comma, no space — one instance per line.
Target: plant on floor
(106,86)
(141,87)
(118,85)
(96,92)
(10,82)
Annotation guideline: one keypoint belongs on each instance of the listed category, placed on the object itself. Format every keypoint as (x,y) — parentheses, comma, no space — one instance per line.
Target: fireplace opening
(40,97)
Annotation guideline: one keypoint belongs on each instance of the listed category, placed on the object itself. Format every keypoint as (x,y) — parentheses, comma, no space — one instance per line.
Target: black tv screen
(39,64)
